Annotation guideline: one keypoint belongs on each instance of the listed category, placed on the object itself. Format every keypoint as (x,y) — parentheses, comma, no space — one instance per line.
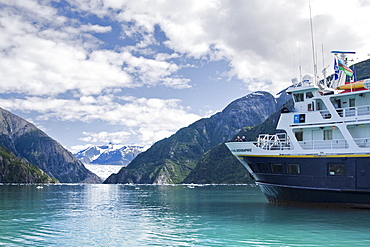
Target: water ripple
(120,215)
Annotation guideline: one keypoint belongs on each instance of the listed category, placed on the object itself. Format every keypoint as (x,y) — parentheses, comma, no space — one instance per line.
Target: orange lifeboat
(355,86)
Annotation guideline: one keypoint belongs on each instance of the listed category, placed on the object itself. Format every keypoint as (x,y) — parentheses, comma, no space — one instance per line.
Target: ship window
(337,104)
(299,135)
(352,103)
(309,95)
(263,167)
(310,107)
(298,97)
(318,106)
(277,168)
(335,169)
(252,166)
(328,134)
(293,168)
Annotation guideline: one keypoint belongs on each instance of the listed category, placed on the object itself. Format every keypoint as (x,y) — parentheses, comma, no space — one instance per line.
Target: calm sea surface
(122,215)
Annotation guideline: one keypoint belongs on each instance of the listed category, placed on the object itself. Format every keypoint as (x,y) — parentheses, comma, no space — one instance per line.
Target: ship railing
(324,144)
(357,111)
(362,142)
(348,112)
(279,141)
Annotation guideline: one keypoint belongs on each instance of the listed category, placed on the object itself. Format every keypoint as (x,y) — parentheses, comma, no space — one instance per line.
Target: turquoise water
(123,215)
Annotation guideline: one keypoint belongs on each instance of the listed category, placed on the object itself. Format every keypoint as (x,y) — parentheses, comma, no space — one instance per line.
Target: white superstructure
(323,121)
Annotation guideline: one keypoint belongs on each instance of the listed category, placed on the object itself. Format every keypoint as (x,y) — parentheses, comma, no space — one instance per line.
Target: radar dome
(307,79)
(295,81)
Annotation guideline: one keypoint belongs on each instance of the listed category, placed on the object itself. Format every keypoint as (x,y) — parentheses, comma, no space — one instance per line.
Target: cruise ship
(321,150)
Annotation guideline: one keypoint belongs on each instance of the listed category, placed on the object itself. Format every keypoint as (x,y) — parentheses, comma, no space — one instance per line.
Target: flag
(344,68)
(336,70)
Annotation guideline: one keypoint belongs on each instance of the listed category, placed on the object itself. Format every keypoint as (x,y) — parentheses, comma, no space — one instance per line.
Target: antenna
(313,47)
(323,59)
(343,55)
(324,70)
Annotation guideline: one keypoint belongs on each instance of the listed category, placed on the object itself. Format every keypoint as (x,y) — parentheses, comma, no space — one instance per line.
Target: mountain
(172,159)
(362,69)
(18,170)
(110,154)
(25,140)
(219,166)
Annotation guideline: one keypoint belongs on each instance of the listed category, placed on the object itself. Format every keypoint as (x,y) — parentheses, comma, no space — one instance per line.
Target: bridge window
(309,95)
(298,97)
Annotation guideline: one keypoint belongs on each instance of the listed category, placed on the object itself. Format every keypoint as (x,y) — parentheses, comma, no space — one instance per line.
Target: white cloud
(48,58)
(259,39)
(30,8)
(264,41)
(106,137)
(149,119)
(96,28)
(153,72)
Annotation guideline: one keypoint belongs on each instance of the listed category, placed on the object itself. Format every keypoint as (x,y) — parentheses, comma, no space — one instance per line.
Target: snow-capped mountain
(110,154)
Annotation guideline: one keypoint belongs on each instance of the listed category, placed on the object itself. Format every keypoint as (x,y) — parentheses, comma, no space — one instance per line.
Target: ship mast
(313,48)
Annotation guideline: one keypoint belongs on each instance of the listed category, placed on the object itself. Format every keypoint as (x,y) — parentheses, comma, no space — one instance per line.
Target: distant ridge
(109,154)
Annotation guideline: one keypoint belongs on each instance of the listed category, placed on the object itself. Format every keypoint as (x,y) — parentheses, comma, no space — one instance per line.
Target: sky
(91,72)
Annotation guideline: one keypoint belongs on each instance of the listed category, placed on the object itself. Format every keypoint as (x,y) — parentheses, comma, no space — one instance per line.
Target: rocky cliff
(26,141)
(172,159)
(218,166)
(18,170)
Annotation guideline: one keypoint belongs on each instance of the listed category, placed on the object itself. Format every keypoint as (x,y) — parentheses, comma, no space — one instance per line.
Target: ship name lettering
(242,150)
